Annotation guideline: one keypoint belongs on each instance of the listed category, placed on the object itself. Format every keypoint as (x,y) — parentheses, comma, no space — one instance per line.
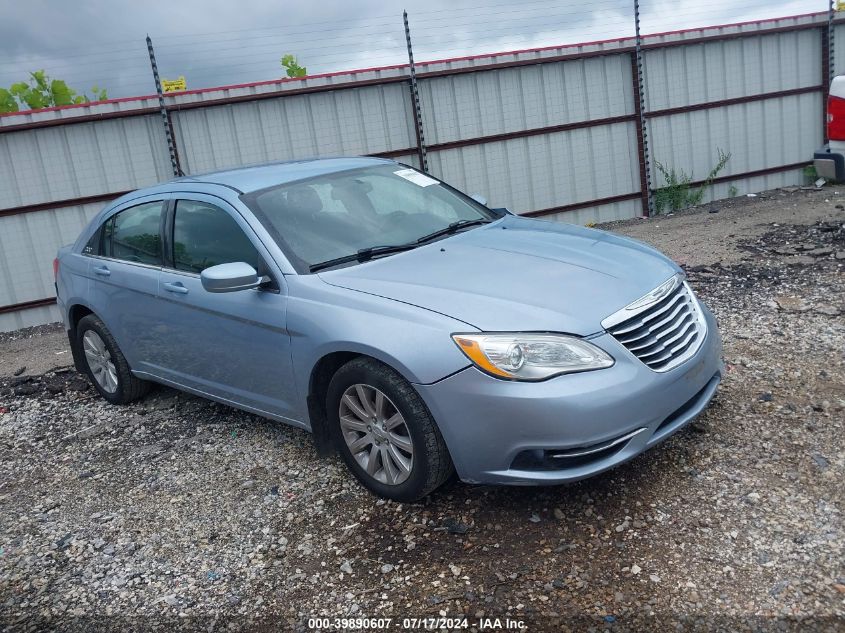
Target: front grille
(664,334)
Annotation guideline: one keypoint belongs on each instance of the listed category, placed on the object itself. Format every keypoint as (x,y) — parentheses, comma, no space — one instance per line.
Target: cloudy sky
(217,42)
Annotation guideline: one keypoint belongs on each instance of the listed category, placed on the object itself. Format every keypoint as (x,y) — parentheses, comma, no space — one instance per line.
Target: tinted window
(134,234)
(205,235)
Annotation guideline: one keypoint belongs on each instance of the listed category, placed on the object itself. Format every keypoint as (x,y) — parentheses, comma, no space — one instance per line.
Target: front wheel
(105,364)
(385,433)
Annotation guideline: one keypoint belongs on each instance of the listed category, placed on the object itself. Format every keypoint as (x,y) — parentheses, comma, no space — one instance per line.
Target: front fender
(324,319)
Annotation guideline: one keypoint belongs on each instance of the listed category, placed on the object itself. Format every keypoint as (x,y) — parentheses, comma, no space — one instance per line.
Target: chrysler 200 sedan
(405,324)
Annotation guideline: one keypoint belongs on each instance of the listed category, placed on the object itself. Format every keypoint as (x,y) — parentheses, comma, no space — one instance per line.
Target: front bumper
(573,426)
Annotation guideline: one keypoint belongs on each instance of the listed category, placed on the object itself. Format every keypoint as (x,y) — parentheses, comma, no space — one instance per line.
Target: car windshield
(348,213)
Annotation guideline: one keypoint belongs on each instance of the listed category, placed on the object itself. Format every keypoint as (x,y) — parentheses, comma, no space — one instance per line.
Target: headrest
(303,199)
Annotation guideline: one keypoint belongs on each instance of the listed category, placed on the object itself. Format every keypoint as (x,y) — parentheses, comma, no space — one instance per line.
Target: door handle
(176,287)
(102,270)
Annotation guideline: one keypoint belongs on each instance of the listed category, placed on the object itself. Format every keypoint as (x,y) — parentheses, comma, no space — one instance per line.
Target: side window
(205,235)
(134,234)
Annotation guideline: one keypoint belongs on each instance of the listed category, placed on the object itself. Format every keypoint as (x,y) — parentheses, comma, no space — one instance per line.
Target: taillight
(835,118)
(56,269)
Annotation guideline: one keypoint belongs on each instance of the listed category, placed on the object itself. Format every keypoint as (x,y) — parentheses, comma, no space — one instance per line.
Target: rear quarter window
(134,234)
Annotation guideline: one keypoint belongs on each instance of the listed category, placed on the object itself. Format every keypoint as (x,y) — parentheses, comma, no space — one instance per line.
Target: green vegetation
(43,92)
(292,67)
(677,193)
(732,191)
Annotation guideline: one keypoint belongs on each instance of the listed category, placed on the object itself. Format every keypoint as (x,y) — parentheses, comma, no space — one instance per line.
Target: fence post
(165,118)
(639,110)
(415,98)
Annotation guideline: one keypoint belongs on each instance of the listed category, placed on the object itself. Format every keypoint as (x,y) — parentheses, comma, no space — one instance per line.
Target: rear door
(125,263)
(232,345)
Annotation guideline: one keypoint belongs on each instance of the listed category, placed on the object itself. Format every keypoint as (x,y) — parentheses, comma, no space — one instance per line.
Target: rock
(792,304)
(535,518)
(635,569)
(821,461)
(26,389)
(654,578)
(559,515)
(249,484)
(455,527)
(386,569)
(765,397)
(346,568)
(820,252)
(20,370)
(170,599)
(840,255)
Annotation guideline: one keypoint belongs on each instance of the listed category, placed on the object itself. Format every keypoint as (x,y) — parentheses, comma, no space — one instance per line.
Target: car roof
(254,177)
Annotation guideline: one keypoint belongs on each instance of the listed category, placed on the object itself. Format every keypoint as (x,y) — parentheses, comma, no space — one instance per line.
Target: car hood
(517,274)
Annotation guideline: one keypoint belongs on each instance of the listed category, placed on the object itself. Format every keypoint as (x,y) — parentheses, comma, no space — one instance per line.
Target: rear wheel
(105,364)
(385,432)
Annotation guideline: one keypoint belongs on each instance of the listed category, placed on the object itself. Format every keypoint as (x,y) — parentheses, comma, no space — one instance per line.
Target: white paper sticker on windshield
(416,177)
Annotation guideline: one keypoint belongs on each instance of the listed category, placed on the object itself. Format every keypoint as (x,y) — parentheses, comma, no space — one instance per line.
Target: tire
(428,464)
(107,368)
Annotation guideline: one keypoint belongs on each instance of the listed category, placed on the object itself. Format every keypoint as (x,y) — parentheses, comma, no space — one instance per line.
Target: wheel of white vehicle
(105,364)
(385,433)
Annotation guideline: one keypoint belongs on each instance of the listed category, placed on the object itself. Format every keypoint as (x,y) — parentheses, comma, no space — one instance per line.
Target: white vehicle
(829,161)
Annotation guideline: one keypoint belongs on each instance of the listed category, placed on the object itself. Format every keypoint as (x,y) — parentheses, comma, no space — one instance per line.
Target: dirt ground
(178,512)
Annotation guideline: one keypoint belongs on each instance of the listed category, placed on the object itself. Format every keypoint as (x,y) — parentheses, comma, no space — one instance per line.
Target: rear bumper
(829,165)
(570,427)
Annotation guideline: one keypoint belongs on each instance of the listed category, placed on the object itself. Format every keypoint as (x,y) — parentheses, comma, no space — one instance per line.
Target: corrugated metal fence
(547,132)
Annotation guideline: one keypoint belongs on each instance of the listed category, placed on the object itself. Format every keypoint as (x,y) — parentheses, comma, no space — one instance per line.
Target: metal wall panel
(598,214)
(363,120)
(28,244)
(758,135)
(726,69)
(457,107)
(27,318)
(84,159)
(544,171)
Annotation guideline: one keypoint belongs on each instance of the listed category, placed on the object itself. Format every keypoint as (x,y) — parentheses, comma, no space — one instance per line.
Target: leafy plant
(292,67)
(810,173)
(42,92)
(677,193)
(732,191)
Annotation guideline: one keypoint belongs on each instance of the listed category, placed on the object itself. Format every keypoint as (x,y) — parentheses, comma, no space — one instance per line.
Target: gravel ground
(178,512)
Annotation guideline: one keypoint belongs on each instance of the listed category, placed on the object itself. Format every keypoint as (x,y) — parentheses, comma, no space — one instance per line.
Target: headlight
(531,356)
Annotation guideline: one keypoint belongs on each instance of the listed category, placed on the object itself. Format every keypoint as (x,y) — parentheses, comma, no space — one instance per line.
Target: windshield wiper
(454,227)
(366,254)
(363,255)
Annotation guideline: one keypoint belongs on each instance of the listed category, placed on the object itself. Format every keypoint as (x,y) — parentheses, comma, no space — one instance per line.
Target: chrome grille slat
(662,334)
(673,335)
(661,307)
(653,329)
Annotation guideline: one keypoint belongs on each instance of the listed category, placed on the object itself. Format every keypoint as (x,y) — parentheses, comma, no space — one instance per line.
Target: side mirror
(479,199)
(230,277)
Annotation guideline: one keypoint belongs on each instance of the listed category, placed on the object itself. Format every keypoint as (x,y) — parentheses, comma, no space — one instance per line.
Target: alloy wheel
(376,434)
(100,361)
